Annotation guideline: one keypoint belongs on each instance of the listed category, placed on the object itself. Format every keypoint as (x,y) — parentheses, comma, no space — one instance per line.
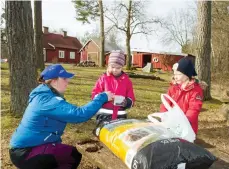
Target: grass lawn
(213,129)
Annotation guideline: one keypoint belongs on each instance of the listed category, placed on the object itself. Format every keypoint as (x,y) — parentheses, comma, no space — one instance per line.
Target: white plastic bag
(174,119)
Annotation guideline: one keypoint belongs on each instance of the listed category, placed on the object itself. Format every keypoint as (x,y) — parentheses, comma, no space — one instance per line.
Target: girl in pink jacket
(118,82)
(186,91)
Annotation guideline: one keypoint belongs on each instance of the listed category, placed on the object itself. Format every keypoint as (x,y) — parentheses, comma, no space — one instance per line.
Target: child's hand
(110,95)
(124,103)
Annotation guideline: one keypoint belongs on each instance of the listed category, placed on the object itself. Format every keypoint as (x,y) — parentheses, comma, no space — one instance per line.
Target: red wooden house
(91,50)
(163,61)
(60,47)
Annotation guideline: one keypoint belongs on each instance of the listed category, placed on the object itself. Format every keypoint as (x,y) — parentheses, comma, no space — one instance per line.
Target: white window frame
(72,55)
(61,53)
(155,60)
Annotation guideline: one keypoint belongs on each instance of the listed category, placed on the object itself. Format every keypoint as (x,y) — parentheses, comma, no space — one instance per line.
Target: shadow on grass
(220,164)
(142,76)
(136,117)
(215,132)
(202,143)
(8,113)
(203,110)
(213,101)
(4,68)
(215,137)
(5,88)
(213,123)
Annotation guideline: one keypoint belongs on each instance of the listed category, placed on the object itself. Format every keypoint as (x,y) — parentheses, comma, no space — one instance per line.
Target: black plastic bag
(169,153)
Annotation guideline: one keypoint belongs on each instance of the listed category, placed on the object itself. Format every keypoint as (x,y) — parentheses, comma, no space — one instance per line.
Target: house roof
(158,52)
(108,46)
(52,40)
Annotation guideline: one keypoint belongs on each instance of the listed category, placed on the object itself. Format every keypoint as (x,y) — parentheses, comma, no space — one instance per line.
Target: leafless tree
(38,35)
(178,28)
(22,61)
(102,35)
(131,19)
(203,50)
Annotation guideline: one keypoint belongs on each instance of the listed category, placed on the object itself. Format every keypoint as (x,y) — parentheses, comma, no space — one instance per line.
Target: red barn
(162,61)
(60,47)
(91,50)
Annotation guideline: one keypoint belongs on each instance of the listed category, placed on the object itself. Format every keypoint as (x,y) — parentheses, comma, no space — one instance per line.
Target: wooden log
(99,155)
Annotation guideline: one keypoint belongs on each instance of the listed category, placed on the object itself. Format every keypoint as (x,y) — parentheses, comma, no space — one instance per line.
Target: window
(61,54)
(155,60)
(72,55)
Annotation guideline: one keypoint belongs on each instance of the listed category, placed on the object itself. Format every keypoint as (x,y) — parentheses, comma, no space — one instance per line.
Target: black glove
(127,103)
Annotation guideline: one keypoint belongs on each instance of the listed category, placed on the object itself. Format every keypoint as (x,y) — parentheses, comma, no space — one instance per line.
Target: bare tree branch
(115,24)
(178,28)
(109,29)
(131,18)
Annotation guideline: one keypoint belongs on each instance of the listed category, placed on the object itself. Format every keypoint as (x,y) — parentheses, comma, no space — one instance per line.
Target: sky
(60,14)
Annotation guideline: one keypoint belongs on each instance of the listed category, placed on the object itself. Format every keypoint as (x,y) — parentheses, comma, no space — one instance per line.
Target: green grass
(147,94)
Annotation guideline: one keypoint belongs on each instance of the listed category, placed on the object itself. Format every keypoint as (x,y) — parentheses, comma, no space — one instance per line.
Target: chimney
(64,33)
(45,29)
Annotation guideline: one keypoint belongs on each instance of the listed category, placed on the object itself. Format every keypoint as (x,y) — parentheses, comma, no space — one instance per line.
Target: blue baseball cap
(55,71)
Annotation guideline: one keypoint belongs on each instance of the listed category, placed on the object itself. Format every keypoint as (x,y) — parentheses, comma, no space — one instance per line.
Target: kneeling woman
(36,143)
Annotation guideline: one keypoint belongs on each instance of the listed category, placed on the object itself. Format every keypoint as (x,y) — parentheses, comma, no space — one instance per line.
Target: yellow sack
(125,137)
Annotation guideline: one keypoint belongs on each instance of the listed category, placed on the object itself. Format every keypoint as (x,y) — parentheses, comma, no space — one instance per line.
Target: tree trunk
(38,35)
(128,37)
(22,65)
(102,36)
(203,60)
(128,52)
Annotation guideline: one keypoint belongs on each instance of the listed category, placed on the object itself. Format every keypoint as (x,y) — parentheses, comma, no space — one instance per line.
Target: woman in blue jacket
(36,143)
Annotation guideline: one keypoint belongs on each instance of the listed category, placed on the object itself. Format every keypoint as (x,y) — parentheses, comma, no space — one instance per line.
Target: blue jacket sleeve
(57,108)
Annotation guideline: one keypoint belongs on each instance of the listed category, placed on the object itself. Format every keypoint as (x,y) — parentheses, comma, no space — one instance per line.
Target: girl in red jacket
(118,82)
(186,91)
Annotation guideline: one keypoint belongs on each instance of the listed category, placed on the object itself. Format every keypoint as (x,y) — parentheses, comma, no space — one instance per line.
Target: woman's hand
(110,95)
